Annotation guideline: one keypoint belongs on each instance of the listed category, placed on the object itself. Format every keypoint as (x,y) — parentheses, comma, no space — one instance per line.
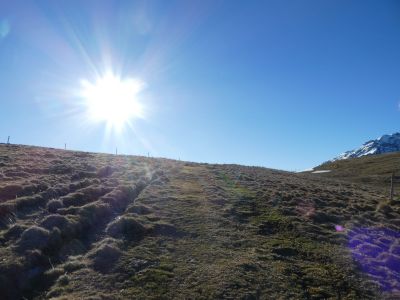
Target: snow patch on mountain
(385,144)
(321,171)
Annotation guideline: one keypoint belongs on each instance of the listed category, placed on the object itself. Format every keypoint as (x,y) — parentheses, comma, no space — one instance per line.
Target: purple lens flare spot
(376,252)
(339,228)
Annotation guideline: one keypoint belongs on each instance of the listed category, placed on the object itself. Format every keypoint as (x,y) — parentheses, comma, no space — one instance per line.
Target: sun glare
(112,100)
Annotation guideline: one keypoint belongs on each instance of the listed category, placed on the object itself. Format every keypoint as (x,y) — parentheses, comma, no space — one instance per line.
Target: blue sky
(281,84)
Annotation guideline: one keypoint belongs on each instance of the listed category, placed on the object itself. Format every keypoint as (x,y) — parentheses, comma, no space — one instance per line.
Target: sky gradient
(280,84)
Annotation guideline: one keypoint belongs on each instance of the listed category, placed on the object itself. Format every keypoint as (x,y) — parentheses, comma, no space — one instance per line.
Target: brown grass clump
(126,226)
(66,224)
(34,237)
(29,202)
(15,232)
(54,205)
(120,197)
(73,265)
(94,213)
(74,199)
(105,172)
(83,196)
(105,255)
(54,221)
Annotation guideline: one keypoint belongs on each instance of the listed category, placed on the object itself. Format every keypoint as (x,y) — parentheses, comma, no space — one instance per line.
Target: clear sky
(282,84)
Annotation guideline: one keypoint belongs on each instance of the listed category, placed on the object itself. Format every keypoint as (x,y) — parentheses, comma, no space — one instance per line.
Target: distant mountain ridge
(385,144)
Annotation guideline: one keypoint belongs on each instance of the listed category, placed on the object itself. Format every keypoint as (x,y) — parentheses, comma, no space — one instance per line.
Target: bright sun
(112,100)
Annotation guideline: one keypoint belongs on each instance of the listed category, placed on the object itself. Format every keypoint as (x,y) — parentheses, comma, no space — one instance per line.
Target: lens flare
(339,228)
(377,252)
(4,28)
(112,100)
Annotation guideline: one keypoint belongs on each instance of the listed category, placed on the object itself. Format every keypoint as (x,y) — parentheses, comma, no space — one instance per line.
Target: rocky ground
(77,225)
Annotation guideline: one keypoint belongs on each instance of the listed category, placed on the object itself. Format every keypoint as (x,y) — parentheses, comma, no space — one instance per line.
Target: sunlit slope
(373,170)
(80,225)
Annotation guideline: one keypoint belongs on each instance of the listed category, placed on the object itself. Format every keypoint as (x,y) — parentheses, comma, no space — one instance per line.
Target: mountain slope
(77,225)
(384,144)
(374,170)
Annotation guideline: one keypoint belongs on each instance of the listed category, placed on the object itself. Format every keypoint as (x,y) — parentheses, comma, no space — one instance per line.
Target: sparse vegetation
(374,171)
(77,225)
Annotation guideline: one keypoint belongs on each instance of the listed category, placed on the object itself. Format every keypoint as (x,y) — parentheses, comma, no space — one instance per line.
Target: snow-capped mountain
(384,144)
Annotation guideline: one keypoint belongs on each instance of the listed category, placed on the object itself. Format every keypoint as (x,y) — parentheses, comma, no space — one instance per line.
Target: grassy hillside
(77,225)
(374,170)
